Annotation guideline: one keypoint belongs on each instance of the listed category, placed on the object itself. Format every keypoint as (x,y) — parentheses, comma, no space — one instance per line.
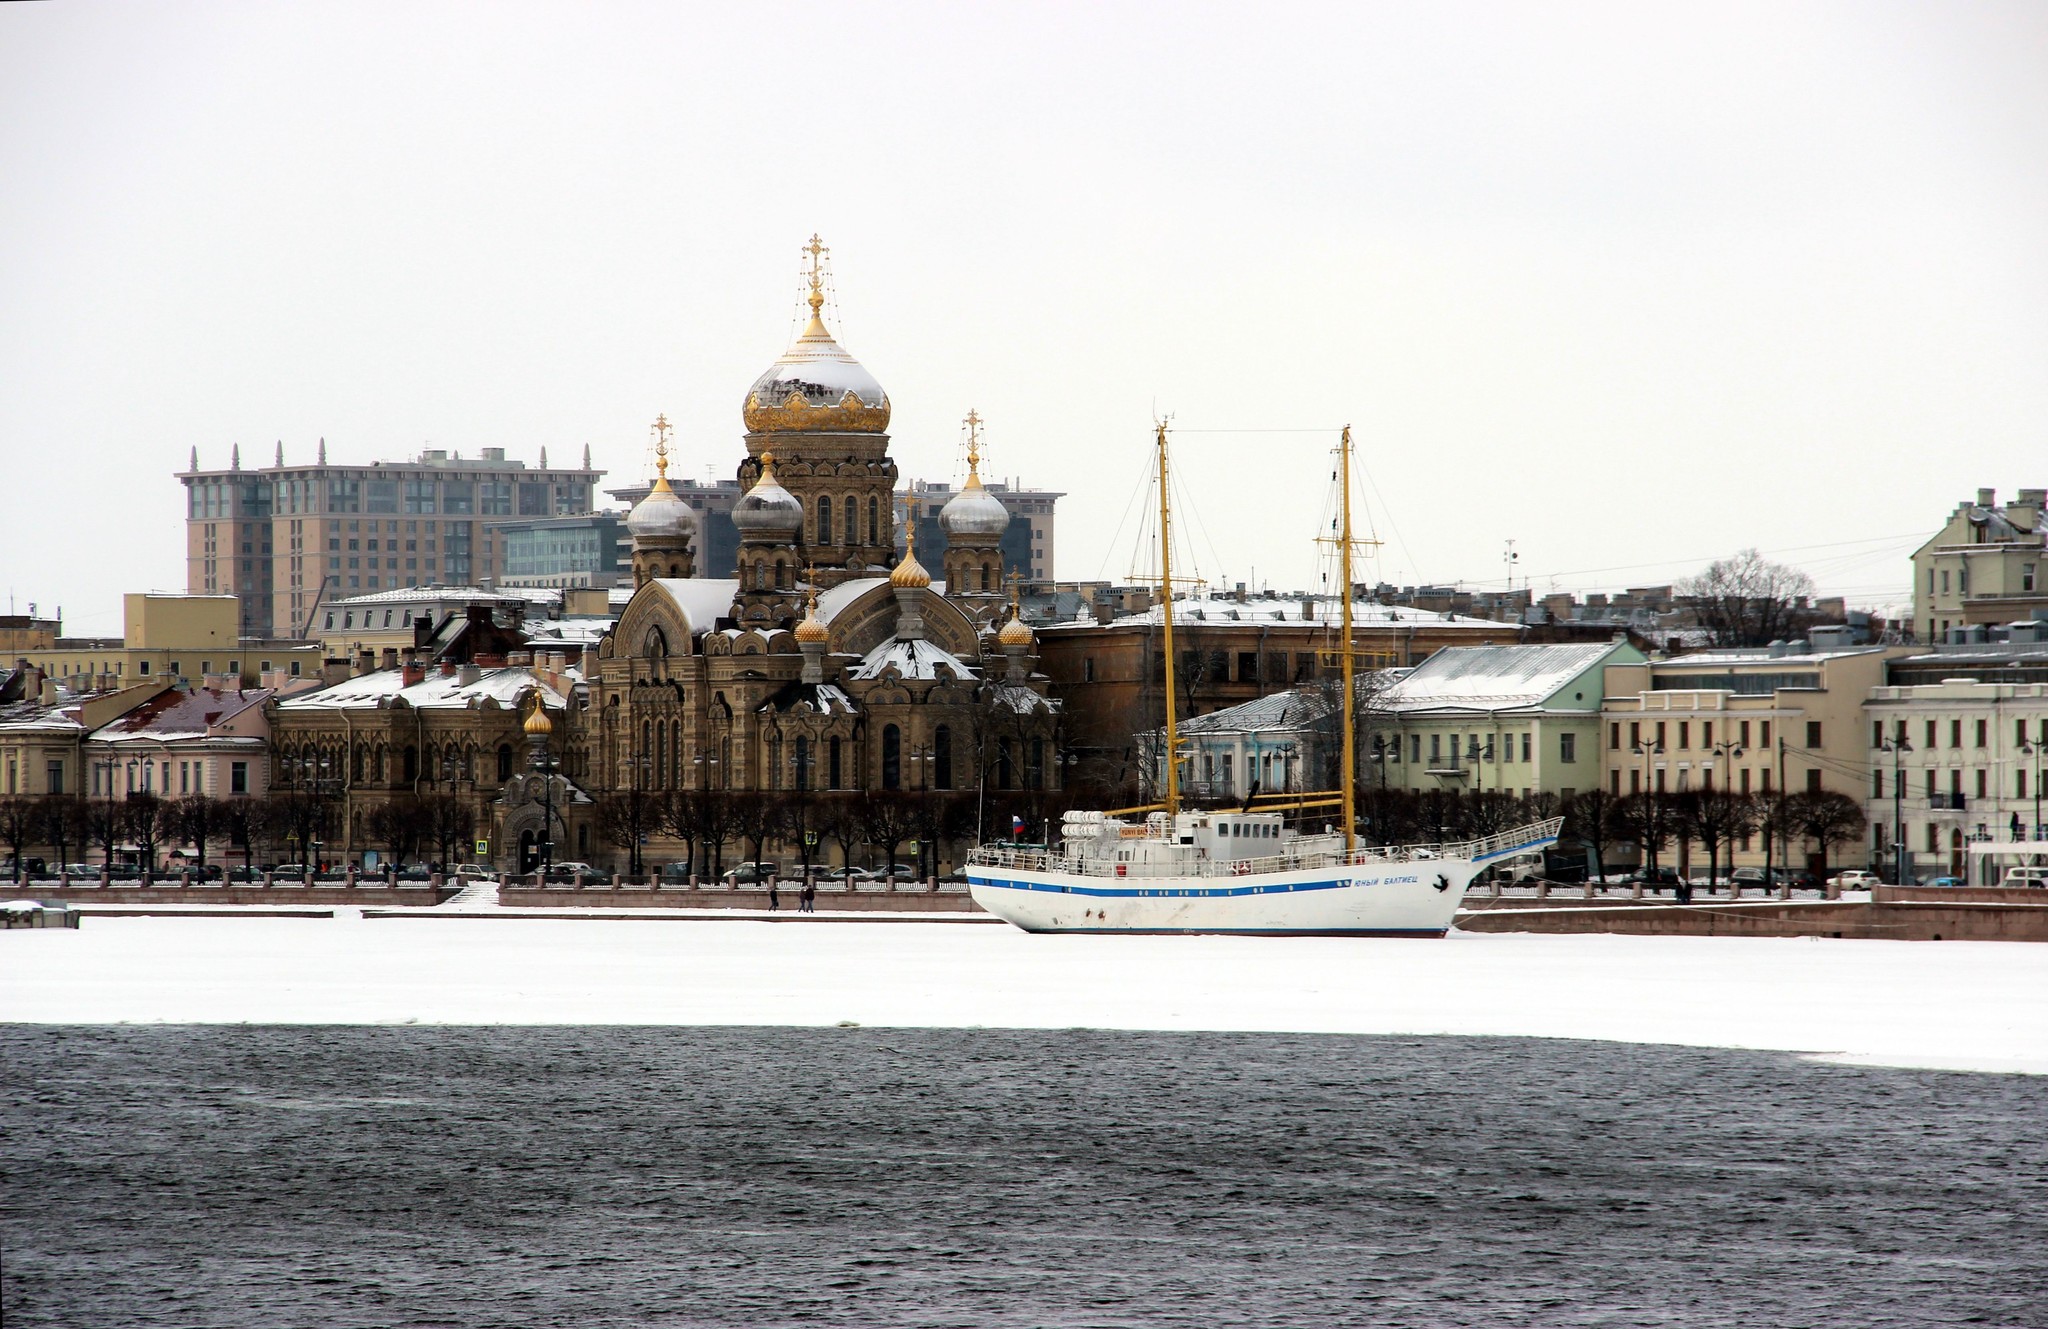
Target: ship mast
(1166,643)
(1350,706)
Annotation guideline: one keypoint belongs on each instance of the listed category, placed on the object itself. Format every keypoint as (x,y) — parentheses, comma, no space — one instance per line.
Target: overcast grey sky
(1633,285)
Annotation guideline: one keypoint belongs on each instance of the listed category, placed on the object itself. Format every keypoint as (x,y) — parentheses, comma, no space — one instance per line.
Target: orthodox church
(830,662)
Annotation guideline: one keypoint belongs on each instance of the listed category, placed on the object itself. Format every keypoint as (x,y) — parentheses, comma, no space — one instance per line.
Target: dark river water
(592,1177)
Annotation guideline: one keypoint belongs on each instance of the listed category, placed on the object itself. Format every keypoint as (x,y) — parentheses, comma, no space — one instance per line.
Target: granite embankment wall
(1942,919)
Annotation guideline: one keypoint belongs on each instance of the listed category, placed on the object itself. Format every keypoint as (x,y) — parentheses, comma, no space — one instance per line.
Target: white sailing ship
(1165,869)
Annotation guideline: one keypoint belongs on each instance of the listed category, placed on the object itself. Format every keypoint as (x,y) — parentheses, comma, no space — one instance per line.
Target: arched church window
(892,757)
(803,764)
(942,757)
(832,780)
(1034,768)
(774,771)
(673,779)
(849,533)
(874,522)
(760,575)
(825,520)
(782,579)
(412,763)
(661,753)
(1003,779)
(504,762)
(984,576)
(656,645)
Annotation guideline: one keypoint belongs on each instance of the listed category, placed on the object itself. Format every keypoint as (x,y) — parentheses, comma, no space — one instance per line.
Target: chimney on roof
(366,662)
(1987,498)
(411,672)
(334,669)
(389,659)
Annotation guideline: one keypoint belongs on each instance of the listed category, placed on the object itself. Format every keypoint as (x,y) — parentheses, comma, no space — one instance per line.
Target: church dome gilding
(1014,633)
(537,723)
(815,386)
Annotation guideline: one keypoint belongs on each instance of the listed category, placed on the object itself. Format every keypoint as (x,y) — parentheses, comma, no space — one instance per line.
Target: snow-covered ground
(1959,1005)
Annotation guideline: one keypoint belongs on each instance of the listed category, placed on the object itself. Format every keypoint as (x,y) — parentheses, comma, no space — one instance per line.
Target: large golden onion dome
(816,387)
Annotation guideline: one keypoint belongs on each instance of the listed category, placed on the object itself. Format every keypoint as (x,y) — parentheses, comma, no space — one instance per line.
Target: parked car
(1855,879)
(2022,876)
(290,870)
(1944,882)
(469,872)
(1750,877)
(900,871)
(1798,879)
(675,874)
(843,875)
(1661,876)
(244,874)
(80,870)
(751,874)
(571,871)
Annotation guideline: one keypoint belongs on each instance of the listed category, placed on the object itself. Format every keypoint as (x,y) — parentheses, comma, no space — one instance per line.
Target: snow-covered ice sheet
(1948,1005)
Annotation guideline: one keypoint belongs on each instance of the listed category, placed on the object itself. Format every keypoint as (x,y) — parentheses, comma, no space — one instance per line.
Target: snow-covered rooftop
(181,714)
(1209,611)
(1495,677)
(1280,712)
(911,659)
(1760,656)
(703,600)
(438,691)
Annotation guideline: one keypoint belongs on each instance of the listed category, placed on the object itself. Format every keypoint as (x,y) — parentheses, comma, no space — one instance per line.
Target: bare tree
(142,820)
(1720,817)
(1827,818)
(18,822)
(889,817)
(1644,820)
(244,821)
(62,823)
(1747,600)
(1589,822)
(399,824)
(196,820)
(839,819)
(448,823)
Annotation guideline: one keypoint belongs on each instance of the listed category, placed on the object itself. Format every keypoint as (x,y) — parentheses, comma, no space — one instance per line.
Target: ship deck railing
(1486,848)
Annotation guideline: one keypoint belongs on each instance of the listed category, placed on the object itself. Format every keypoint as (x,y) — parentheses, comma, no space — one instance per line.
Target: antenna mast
(1166,618)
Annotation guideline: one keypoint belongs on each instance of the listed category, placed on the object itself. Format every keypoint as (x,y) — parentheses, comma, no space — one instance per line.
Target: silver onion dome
(768,510)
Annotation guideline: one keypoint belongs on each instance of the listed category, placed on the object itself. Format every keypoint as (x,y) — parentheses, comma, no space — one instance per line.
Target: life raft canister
(1121,869)
(1240,869)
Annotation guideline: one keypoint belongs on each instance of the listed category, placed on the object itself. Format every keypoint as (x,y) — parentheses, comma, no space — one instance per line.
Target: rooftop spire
(816,273)
(973,423)
(661,431)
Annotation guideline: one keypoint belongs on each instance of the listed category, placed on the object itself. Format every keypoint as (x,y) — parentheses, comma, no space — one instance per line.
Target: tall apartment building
(281,538)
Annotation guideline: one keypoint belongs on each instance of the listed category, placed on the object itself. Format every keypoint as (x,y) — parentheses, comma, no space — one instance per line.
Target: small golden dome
(537,723)
(910,572)
(811,629)
(1014,633)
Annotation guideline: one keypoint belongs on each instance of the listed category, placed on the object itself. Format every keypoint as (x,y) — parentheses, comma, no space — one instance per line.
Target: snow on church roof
(912,659)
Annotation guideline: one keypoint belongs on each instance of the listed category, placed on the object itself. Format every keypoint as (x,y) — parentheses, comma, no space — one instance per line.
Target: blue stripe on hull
(1162,892)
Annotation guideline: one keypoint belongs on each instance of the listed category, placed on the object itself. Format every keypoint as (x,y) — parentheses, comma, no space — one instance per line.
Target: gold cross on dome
(661,431)
(816,276)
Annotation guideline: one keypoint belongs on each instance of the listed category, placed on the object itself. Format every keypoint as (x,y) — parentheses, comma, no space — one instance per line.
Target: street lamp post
(1655,823)
(1731,751)
(1898,746)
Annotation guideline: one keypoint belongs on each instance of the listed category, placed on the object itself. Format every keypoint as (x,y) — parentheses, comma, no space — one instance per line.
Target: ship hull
(1412,899)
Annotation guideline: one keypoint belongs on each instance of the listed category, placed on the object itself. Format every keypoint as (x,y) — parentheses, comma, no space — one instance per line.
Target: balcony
(1947,803)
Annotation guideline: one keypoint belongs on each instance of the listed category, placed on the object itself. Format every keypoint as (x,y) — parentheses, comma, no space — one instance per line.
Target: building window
(803,764)
(55,775)
(1614,735)
(892,757)
(1685,733)
(942,758)
(825,520)
(1764,728)
(1567,747)
(1955,733)
(1813,733)
(1982,726)
(832,763)
(238,777)
(504,761)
